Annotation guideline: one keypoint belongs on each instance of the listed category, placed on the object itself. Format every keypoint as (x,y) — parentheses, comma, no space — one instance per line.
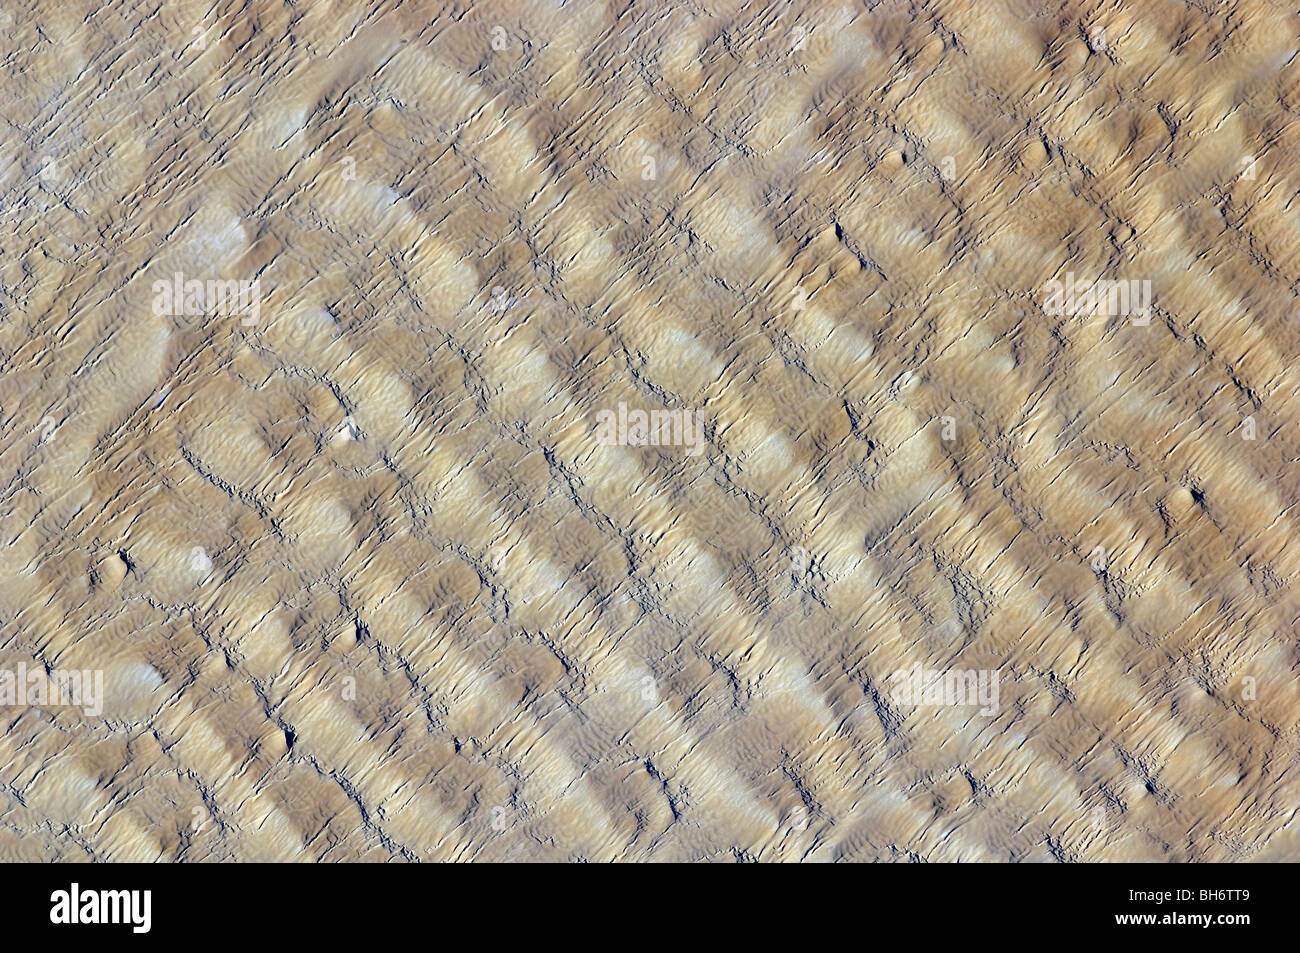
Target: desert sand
(359,579)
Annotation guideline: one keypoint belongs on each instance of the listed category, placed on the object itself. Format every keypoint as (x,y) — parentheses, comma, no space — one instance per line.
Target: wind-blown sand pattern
(363,584)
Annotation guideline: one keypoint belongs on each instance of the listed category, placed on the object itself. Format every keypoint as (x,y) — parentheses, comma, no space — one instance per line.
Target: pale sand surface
(361,581)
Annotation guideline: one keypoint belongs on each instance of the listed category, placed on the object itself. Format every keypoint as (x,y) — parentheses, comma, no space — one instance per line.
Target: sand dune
(362,580)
